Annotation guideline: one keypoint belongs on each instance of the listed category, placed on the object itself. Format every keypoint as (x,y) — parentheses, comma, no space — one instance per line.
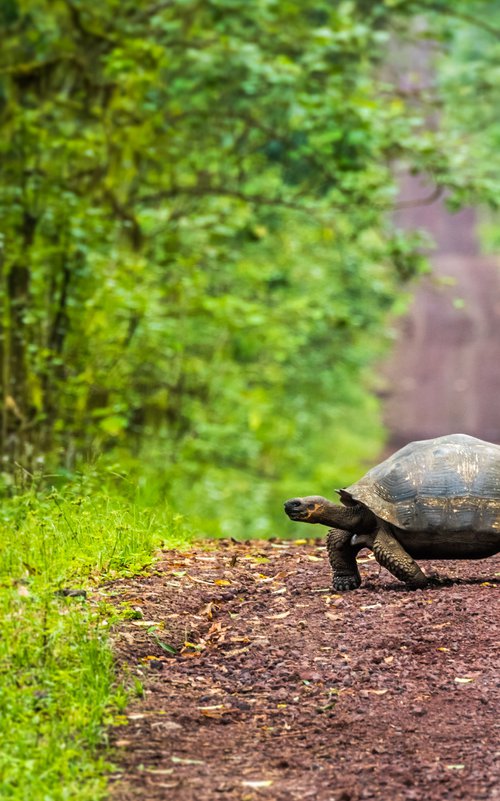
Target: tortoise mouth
(296,510)
(297,515)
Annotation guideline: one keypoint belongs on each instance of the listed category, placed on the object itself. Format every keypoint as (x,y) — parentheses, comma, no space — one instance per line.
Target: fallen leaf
(169,649)
(388,660)
(182,761)
(215,628)
(160,771)
(188,654)
(370,606)
(222,582)
(455,767)
(133,601)
(279,616)
(237,651)
(144,623)
(377,692)
(333,616)
(330,705)
(464,680)
(445,650)
(257,784)
(263,578)
(216,711)
(209,609)
(188,644)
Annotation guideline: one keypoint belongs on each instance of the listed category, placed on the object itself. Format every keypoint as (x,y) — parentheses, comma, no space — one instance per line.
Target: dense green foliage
(470,87)
(58,687)
(198,257)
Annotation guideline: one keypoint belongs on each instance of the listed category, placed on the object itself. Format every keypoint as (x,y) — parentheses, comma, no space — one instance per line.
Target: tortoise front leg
(342,556)
(390,554)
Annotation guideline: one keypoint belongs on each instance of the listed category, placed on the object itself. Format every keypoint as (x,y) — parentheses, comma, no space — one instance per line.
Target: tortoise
(433,499)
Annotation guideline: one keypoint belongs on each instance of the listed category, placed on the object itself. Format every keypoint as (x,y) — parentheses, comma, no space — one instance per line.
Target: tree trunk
(15,386)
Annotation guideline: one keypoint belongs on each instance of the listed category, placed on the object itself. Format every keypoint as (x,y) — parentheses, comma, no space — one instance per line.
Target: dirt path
(440,377)
(282,690)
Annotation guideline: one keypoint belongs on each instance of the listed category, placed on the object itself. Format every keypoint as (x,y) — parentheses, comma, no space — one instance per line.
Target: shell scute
(450,483)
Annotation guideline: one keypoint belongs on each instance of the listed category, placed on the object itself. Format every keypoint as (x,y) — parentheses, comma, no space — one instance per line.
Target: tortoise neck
(348,518)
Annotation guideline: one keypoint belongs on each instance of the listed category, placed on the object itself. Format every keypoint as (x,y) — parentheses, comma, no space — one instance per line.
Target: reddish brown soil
(281,689)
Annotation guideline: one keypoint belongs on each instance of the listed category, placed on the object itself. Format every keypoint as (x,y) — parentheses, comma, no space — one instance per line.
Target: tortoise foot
(342,556)
(345,583)
(418,582)
(435,580)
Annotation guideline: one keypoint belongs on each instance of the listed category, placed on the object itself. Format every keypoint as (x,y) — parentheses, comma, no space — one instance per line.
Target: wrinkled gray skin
(355,528)
(443,493)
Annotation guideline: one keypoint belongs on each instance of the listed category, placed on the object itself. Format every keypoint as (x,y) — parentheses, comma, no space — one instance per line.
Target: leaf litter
(278,688)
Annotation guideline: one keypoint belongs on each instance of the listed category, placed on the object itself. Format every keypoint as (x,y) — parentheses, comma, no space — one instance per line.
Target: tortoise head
(308,510)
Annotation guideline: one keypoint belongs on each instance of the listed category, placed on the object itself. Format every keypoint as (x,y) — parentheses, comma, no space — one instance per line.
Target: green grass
(58,693)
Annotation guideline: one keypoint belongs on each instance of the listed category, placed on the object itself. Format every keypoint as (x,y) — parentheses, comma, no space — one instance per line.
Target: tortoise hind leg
(342,556)
(390,554)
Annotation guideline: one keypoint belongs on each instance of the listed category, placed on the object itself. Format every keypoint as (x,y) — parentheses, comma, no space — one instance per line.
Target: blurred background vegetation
(198,259)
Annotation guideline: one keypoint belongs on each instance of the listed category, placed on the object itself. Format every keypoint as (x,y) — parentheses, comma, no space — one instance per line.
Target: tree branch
(124,214)
(147,13)
(471,19)
(200,191)
(87,33)
(30,68)
(424,201)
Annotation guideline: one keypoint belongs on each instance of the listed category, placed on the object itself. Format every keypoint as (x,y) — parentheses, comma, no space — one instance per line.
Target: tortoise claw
(345,583)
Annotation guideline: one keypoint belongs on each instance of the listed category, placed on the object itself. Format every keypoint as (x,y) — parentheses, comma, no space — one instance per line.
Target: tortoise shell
(450,483)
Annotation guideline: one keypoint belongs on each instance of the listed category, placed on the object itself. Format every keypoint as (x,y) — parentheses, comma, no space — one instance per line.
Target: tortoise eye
(311,506)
